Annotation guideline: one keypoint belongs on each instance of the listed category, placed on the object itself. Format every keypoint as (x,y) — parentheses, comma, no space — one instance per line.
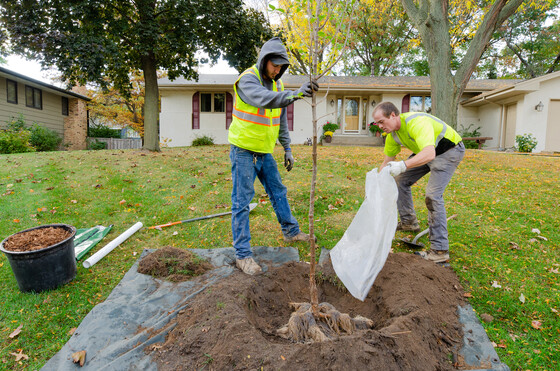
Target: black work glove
(307,89)
(288,160)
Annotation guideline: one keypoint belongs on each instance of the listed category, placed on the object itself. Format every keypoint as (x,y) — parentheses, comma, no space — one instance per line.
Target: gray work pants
(442,168)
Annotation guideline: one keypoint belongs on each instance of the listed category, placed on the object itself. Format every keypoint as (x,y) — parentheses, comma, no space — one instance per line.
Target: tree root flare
(329,323)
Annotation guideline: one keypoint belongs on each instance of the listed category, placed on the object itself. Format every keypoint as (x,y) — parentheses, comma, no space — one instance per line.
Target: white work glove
(396,167)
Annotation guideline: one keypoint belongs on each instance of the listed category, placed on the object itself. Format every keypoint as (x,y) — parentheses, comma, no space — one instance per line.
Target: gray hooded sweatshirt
(252,92)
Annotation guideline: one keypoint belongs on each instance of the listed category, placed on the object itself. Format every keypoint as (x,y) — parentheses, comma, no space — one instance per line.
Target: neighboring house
(527,107)
(60,110)
(195,108)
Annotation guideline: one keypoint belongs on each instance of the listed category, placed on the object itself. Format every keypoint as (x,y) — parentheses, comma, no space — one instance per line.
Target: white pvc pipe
(111,245)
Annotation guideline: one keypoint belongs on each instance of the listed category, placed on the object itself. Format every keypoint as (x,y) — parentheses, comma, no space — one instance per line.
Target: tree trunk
(151,99)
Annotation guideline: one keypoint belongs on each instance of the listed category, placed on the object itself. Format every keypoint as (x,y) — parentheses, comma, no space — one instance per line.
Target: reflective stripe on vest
(259,116)
(418,114)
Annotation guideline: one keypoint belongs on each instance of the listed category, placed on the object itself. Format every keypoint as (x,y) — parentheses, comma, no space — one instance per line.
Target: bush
(525,143)
(102,131)
(44,139)
(18,138)
(15,141)
(470,132)
(203,141)
(97,145)
(330,126)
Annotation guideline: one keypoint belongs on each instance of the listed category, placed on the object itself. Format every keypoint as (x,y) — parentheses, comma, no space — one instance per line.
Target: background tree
(380,35)
(441,22)
(108,106)
(532,48)
(106,40)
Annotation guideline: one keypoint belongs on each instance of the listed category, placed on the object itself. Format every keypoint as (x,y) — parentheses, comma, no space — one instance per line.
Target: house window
(65,106)
(212,102)
(420,103)
(33,97)
(11,91)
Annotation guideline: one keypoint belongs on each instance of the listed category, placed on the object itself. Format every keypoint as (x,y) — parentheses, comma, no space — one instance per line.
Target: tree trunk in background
(431,19)
(151,99)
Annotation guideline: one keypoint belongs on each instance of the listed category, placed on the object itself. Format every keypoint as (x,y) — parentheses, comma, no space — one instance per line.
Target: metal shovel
(414,244)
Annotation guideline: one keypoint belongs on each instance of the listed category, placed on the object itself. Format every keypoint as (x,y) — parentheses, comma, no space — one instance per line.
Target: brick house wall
(75,124)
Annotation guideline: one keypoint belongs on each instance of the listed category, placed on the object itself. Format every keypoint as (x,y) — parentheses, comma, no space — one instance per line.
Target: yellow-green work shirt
(419,130)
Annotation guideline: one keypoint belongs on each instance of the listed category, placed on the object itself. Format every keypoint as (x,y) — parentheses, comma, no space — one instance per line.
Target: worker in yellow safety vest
(437,149)
(259,120)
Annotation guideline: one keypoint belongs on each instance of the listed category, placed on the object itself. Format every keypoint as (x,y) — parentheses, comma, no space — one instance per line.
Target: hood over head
(275,51)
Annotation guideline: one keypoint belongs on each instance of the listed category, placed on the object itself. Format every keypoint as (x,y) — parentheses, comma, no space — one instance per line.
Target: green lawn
(504,243)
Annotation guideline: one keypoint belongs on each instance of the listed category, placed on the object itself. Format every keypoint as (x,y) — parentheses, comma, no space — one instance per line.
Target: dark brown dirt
(36,239)
(173,264)
(232,326)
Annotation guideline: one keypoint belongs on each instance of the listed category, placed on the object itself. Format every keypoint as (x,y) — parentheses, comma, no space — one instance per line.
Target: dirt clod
(173,264)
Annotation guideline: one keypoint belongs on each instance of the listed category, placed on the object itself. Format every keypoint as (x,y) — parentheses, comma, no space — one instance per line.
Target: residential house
(63,111)
(501,108)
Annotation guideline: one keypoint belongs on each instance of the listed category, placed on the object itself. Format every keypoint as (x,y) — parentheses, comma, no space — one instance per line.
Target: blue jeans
(441,168)
(245,167)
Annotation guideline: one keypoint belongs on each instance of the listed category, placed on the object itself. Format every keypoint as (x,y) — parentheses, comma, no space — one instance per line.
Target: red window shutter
(229,109)
(290,115)
(405,103)
(196,111)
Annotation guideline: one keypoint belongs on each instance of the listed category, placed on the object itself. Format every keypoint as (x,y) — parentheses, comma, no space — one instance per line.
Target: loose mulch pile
(233,324)
(36,239)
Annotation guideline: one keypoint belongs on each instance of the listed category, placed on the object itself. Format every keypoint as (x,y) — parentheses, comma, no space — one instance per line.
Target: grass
(501,201)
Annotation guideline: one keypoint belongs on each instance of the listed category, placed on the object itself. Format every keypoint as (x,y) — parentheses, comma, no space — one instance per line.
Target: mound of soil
(36,239)
(233,325)
(173,264)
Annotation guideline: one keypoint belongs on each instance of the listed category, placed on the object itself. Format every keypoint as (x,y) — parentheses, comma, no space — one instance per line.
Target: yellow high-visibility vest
(252,128)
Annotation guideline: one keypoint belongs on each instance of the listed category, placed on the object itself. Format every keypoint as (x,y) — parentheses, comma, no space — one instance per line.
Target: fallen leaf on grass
(16,332)
(522,298)
(72,330)
(496,285)
(536,324)
(514,246)
(79,357)
(122,202)
(74,201)
(467,295)
(19,356)
(535,230)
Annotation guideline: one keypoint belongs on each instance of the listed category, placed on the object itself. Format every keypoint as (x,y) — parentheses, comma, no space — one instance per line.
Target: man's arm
(252,92)
(426,155)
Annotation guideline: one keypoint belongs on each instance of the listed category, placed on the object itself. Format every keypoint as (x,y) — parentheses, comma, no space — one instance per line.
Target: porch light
(373,103)
(539,107)
(332,102)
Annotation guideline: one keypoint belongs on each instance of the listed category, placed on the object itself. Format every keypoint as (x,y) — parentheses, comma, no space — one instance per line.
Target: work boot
(298,237)
(248,266)
(436,256)
(413,227)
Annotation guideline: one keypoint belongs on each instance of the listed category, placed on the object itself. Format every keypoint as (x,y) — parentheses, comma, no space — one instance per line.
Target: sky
(33,69)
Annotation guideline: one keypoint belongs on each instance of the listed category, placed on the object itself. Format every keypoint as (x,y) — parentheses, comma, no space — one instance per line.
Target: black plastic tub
(46,268)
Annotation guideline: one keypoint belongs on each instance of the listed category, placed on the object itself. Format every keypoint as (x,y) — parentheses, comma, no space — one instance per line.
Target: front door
(351,114)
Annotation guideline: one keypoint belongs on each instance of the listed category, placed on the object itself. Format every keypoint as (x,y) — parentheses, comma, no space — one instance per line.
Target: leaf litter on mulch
(413,304)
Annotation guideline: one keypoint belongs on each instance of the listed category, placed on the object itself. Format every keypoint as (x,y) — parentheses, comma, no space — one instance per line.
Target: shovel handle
(427,229)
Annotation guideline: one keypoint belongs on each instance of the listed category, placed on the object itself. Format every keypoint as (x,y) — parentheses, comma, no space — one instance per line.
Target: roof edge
(43,84)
